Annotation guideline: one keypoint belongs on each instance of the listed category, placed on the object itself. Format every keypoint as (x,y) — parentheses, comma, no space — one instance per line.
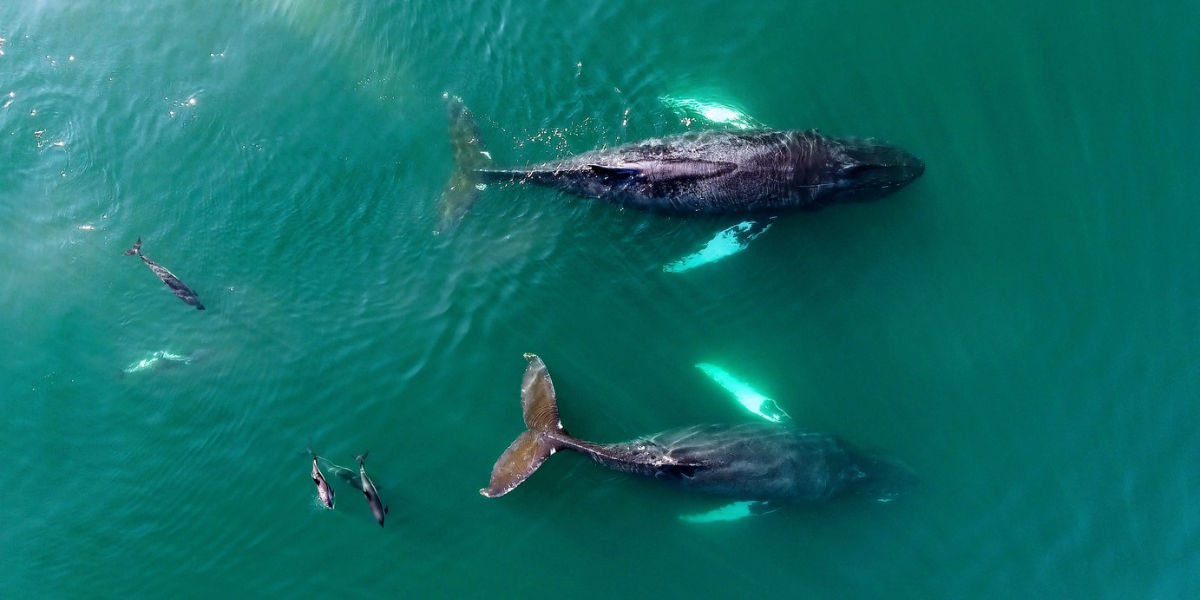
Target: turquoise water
(1019,326)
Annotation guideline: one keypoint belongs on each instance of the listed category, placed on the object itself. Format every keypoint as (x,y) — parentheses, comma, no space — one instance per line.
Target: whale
(182,291)
(324,492)
(763,462)
(368,488)
(760,171)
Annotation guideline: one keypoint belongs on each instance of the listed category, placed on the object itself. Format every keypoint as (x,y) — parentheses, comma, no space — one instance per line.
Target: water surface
(1019,325)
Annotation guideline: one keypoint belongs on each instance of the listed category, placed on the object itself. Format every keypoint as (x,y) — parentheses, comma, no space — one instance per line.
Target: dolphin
(162,360)
(368,488)
(759,461)
(344,473)
(760,171)
(184,292)
(324,492)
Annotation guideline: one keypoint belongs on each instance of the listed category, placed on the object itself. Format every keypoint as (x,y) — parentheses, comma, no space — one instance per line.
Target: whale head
(865,169)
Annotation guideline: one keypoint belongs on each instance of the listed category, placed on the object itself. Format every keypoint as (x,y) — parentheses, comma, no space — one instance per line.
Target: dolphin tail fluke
(536,444)
(470,157)
(136,249)
(362,457)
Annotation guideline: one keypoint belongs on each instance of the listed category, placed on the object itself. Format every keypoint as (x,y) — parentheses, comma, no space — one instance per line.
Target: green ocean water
(1019,326)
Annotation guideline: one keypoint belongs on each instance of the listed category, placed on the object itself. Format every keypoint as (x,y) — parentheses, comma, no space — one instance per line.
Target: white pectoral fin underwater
(711,112)
(730,512)
(726,243)
(746,396)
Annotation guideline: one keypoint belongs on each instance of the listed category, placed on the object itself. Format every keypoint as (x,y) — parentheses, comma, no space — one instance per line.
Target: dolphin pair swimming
(361,481)
(706,173)
(182,291)
(764,462)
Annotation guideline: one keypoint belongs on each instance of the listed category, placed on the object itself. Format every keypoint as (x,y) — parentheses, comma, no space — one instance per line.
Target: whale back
(759,461)
(708,172)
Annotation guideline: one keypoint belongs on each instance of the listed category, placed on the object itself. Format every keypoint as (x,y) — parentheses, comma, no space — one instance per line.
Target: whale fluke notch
(534,446)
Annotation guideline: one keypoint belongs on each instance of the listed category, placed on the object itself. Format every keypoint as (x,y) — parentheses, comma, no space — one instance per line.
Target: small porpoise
(184,292)
(163,360)
(766,462)
(368,488)
(705,173)
(324,492)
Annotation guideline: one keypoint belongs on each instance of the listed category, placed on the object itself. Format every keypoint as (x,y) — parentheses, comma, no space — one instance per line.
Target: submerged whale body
(752,461)
(710,172)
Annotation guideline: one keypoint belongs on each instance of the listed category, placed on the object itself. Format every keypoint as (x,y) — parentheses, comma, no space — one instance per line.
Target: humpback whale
(368,488)
(182,291)
(759,461)
(760,171)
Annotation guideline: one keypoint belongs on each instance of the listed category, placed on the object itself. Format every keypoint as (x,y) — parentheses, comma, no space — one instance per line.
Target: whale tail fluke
(542,438)
(470,157)
(136,249)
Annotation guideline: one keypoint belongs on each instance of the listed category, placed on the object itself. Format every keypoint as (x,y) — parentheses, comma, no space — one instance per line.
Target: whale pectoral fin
(731,512)
(746,396)
(726,243)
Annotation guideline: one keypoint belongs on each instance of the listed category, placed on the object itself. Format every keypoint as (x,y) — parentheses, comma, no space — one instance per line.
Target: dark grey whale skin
(748,461)
(716,172)
(704,173)
(751,461)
